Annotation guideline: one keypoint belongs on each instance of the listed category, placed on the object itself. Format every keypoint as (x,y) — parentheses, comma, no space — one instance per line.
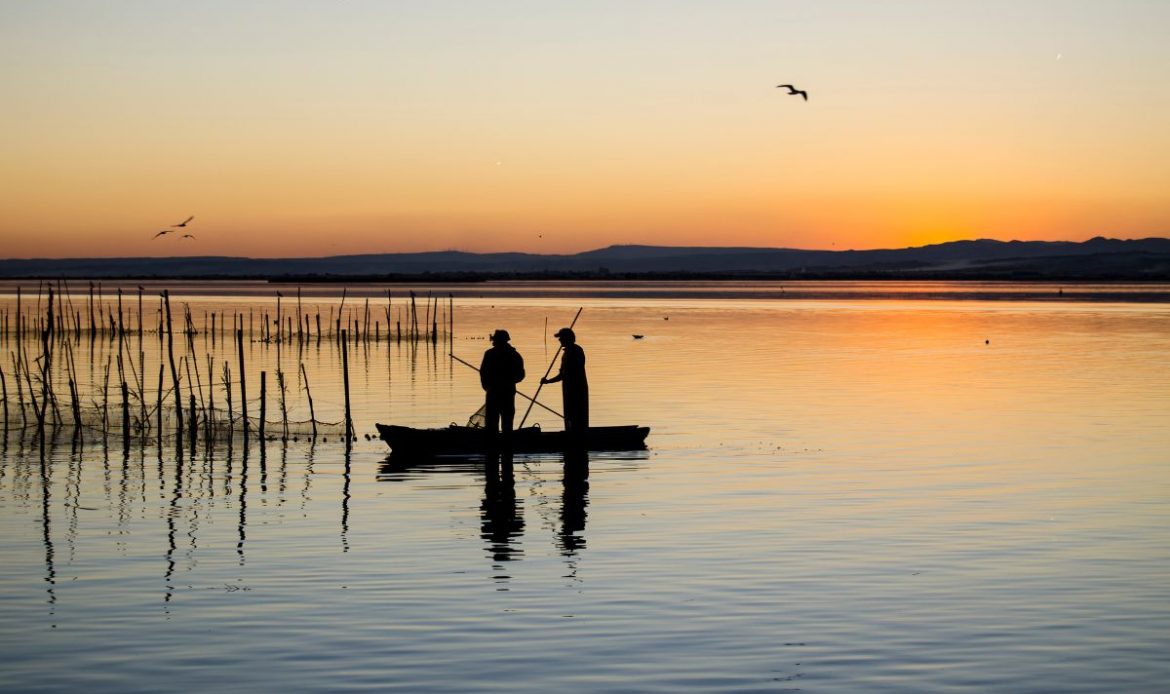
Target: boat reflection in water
(502,522)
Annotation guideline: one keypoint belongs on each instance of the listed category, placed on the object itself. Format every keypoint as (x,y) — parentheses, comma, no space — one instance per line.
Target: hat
(501,335)
(566,332)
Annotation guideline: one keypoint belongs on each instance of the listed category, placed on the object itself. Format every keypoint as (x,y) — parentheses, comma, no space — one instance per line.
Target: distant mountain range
(1096,259)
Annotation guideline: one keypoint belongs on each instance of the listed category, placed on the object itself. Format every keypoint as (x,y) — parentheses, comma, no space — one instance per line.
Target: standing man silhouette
(574,385)
(502,368)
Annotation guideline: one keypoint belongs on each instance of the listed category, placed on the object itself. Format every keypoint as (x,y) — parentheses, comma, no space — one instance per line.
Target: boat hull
(458,440)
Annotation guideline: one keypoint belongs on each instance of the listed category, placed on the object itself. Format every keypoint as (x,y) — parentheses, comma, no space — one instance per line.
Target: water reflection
(574,500)
(502,523)
(502,513)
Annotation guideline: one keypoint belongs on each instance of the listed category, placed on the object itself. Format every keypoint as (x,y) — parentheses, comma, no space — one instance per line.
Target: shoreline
(1128,291)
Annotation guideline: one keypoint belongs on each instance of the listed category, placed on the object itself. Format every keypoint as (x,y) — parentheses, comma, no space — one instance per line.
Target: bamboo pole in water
(4,395)
(435,323)
(194,424)
(140,290)
(227,390)
(46,366)
(308,394)
(413,319)
(92,319)
(125,418)
(106,405)
(283,405)
(243,384)
(159,405)
(209,420)
(345,381)
(171,358)
(263,402)
(76,405)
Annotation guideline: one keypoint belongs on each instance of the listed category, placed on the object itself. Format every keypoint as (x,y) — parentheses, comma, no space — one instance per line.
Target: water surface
(841,494)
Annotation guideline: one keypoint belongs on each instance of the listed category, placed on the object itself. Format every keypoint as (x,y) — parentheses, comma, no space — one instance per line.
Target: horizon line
(1097,238)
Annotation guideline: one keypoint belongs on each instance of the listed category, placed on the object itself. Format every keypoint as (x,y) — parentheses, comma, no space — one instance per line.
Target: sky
(303,128)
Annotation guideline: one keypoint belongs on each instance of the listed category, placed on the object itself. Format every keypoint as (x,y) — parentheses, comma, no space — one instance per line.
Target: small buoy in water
(987,342)
(666,318)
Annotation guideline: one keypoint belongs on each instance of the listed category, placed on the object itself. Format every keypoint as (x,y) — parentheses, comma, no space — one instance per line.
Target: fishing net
(479,419)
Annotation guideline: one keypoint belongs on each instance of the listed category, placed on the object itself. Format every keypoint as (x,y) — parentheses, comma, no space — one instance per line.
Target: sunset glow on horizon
(310,128)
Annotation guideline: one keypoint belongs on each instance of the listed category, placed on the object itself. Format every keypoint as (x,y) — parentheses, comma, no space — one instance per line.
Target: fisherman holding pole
(574,384)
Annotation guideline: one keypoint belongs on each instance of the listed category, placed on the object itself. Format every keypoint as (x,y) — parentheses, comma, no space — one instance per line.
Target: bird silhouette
(161,233)
(793,90)
(184,222)
(187,236)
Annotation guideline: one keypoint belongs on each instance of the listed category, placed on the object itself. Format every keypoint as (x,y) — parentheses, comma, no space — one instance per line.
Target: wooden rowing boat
(461,440)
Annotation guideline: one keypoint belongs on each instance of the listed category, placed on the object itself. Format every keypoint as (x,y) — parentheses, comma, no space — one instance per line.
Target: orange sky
(316,128)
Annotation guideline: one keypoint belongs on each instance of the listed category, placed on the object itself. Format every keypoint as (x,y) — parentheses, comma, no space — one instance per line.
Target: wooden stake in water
(345,381)
(263,402)
(283,406)
(4,395)
(140,290)
(243,383)
(194,424)
(125,418)
(171,358)
(308,394)
(158,407)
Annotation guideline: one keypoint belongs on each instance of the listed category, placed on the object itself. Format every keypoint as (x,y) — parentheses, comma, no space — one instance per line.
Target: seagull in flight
(184,222)
(187,236)
(793,90)
(163,232)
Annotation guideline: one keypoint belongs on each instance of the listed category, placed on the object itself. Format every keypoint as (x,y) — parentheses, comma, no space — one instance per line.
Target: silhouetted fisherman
(502,368)
(574,385)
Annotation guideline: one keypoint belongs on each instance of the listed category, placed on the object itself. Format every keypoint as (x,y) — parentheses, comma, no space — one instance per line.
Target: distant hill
(1099,258)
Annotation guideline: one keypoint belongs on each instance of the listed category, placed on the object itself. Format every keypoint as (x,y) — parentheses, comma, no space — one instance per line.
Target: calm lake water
(849,487)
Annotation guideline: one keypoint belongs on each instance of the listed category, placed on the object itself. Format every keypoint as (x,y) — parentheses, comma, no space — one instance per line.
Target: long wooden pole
(549,369)
(530,399)
(243,383)
(171,358)
(309,394)
(345,380)
(263,402)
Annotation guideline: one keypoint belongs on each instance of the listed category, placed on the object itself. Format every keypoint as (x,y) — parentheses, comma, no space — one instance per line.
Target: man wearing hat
(574,385)
(502,368)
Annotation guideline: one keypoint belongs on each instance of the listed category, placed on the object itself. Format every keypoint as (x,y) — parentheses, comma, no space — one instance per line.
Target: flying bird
(187,236)
(164,231)
(184,222)
(793,90)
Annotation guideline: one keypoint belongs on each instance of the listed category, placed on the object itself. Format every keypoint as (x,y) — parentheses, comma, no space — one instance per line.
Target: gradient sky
(299,128)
